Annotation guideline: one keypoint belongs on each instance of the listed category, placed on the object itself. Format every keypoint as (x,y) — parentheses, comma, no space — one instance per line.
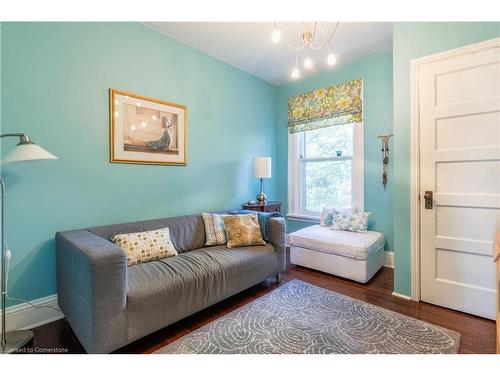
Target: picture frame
(146,130)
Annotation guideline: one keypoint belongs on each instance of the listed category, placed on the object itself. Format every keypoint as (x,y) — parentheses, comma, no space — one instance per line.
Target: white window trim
(295,180)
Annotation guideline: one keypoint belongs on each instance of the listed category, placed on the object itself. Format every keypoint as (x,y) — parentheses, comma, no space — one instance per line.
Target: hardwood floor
(478,335)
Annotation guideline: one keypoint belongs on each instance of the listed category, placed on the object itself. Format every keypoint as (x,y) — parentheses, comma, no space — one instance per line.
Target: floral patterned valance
(334,105)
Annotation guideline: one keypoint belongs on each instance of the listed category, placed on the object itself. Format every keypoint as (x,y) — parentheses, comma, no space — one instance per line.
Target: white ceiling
(248,46)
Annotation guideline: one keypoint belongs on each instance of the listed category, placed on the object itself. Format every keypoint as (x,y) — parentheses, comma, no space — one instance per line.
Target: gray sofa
(109,304)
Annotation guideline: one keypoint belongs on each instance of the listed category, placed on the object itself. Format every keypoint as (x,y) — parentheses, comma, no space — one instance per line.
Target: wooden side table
(269,206)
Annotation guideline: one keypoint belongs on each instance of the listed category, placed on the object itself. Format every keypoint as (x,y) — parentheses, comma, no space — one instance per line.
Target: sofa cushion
(173,288)
(187,232)
(242,230)
(214,229)
(146,246)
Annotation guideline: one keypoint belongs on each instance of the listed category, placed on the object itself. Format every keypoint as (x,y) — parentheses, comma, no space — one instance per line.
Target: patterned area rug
(301,318)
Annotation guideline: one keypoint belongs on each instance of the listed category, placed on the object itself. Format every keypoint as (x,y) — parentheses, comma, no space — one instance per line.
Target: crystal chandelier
(308,42)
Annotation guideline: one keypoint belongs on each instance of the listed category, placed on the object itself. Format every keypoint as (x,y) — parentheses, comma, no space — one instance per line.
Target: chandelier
(309,40)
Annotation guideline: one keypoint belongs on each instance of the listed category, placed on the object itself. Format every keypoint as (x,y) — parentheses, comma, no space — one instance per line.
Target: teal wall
(55,80)
(410,41)
(376,72)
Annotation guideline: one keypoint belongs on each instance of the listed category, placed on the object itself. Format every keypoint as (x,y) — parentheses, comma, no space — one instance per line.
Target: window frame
(296,176)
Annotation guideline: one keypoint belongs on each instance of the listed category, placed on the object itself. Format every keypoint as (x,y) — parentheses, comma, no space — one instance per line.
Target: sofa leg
(278,278)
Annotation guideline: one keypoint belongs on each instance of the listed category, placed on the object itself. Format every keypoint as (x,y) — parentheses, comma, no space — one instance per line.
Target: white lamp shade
(25,152)
(262,167)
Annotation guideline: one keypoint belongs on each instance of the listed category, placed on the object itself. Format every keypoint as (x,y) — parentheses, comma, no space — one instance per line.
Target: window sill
(301,217)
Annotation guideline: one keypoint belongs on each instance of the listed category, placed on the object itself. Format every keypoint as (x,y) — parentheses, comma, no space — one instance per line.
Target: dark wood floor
(478,335)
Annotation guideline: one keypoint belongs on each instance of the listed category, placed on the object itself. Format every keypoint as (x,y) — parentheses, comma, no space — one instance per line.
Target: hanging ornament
(384,137)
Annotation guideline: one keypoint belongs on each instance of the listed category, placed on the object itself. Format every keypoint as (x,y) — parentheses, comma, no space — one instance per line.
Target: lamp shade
(262,167)
(28,151)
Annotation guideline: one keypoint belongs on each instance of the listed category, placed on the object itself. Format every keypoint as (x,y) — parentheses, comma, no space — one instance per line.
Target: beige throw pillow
(242,230)
(214,229)
(143,247)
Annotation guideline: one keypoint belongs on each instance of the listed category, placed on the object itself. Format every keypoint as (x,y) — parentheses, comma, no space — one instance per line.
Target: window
(325,169)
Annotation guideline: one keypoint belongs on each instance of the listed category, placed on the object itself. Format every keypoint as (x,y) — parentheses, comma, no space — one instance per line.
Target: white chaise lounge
(355,256)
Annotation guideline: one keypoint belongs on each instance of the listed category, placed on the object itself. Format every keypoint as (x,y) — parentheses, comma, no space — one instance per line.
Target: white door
(459,118)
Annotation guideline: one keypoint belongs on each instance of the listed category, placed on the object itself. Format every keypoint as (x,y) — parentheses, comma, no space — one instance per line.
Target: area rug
(302,318)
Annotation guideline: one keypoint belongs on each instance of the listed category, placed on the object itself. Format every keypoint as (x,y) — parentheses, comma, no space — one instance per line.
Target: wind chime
(385,153)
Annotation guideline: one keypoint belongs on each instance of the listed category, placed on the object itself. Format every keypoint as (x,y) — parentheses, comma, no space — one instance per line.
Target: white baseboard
(25,316)
(389,259)
(401,296)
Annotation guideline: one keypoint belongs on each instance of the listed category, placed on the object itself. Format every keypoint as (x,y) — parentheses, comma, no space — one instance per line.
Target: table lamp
(24,151)
(261,170)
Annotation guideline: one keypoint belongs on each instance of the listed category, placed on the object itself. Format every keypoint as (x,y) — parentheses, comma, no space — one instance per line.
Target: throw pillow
(351,221)
(214,229)
(143,247)
(326,217)
(343,211)
(327,214)
(242,230)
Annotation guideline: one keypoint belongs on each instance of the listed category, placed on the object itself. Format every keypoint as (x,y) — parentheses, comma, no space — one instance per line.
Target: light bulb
(276,36)
(143,124)
(117,102)
(308,64)
(116,113)
(133,127)
(153,117)
(331,59)
(138,104)
(295,73)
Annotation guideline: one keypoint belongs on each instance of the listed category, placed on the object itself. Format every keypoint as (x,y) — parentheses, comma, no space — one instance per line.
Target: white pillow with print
(351,221)
(327,214)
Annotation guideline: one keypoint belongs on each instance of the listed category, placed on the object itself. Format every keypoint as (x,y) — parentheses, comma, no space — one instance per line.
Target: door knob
(428,200)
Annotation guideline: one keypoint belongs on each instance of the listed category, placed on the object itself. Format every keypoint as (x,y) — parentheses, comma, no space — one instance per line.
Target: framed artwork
(146,130)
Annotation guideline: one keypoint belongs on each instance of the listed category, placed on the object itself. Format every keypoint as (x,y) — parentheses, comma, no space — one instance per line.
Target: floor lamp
(24,151)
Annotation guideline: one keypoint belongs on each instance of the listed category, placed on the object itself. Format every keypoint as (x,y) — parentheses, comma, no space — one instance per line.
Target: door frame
(415,244)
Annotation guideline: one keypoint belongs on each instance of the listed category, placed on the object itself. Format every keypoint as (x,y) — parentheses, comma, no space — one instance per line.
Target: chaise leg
(278,278)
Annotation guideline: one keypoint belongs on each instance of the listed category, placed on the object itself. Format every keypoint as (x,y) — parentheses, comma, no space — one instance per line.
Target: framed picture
(146,130)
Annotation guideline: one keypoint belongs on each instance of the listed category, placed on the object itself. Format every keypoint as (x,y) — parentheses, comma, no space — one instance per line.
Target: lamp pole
(4,274)
(25,150)
(3,342)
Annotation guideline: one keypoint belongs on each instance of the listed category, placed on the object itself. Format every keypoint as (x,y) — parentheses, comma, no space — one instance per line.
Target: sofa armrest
(91,285)
(277,238)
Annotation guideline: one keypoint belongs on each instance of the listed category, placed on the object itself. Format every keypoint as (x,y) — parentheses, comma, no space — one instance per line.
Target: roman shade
(335,105)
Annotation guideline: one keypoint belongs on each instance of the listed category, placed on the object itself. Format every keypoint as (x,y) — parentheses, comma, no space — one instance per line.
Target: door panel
(474,177)
(460,267)
(459,113)
(465,222)
(453,133)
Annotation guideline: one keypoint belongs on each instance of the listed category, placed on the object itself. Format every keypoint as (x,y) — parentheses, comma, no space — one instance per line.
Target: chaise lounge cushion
(172,288)
(348,244)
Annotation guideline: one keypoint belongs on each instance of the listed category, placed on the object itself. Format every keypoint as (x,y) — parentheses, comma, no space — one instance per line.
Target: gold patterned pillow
(242,230)
(143,247)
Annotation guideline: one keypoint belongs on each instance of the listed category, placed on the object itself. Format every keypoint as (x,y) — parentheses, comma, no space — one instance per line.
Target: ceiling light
(331,59)
(312,37)
(276,36)
(308,64)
